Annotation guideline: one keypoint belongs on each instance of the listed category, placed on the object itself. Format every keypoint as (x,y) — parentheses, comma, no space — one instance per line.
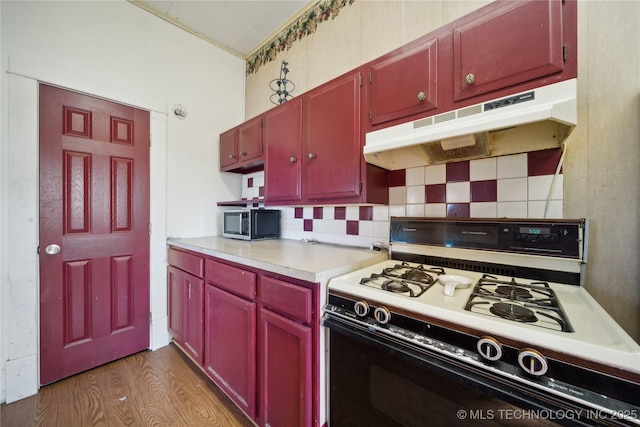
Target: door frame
(20,183)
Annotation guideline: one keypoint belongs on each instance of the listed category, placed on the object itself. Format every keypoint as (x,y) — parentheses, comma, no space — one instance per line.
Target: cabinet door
(228,148)
(404,83)
(283,141)
(250,139)
(230,346)
(176,302)
(193,307)
(517,43)
(286,386)
(333,144)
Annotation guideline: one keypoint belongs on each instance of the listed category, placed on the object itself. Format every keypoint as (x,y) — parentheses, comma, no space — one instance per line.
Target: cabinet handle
(470,78)
(421,96)
(293,159)
(312,156)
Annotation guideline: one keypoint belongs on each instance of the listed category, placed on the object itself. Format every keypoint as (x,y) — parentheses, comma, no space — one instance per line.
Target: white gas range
(522,315)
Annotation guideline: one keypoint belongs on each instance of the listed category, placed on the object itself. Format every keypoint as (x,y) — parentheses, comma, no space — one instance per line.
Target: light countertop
(309,261)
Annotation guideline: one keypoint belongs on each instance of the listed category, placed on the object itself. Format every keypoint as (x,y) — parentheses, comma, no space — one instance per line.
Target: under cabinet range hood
(532,120)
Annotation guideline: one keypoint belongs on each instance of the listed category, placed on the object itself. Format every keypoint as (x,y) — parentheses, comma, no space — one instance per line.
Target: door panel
(94,204)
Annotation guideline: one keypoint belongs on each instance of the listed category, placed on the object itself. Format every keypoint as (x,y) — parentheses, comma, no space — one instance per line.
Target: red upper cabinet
(228,148)
(250,140)
(283,163)
(241,148)
(404,82)
(515,43)
(332,152)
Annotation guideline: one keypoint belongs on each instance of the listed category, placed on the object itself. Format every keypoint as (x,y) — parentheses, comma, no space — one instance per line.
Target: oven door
(376,381)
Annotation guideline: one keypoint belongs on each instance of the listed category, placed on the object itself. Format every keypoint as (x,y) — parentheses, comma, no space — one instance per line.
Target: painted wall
(115,50)
(601,179)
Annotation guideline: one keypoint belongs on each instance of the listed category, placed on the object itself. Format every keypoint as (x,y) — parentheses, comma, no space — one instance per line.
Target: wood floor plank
(160,388)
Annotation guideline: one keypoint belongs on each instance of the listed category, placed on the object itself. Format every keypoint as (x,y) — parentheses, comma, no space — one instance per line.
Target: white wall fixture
(180,111)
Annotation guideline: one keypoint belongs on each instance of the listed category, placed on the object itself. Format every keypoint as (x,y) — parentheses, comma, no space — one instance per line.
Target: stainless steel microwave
(251,224)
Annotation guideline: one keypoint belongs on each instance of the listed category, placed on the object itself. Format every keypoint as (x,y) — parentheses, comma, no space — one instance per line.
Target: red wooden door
(333,148)
(230,346)
(250,139)
(283,137)
(522,41)
(286,388)
(94,205)
(404,83)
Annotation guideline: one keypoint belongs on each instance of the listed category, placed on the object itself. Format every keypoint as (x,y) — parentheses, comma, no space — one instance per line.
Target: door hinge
(150,317)
(564,53)
(370,114)
(149,140)
(149,229)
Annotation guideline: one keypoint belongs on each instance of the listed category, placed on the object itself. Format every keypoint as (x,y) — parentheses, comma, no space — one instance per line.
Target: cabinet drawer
(233,279)
(286,298)
(187,262)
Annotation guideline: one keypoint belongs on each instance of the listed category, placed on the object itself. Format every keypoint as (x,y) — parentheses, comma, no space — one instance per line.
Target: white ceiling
(240,26)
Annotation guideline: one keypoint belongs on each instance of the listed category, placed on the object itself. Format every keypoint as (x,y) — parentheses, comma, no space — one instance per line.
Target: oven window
(370,386)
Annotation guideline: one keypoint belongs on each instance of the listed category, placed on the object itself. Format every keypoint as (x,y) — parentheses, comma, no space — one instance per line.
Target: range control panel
(556,238)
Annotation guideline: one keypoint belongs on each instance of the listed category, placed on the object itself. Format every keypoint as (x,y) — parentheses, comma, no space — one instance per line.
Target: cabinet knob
(470,78)
(242,153)
(421,96)
(293,159)
(231,156)
(312,156)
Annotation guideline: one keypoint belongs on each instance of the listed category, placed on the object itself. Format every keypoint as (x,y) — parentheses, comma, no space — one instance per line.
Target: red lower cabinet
(230,346)
(185,311)
(286,371)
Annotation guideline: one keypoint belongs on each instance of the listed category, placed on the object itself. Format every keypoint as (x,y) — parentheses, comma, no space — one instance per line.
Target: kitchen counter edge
(309,261)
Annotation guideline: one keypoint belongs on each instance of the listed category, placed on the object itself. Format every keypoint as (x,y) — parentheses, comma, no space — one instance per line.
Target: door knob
(470,79)
(311,156)
(52,249)
(421,96)
(293,159)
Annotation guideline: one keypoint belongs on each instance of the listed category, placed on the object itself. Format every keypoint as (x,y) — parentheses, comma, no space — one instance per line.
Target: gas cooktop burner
(533,302)
(513,312)
(404,278)
(513,292)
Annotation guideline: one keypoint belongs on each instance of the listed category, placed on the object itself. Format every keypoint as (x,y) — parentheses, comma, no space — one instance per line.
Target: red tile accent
(353,228)
(458,210)
(308,225)
(340,212)
(458,171)
(366,213)
(397,178)
(298,212)
(543,162)
(436,193)
(317,212)
(484,191)
(250,182)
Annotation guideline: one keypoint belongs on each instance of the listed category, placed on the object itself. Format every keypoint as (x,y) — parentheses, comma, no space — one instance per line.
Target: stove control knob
(361,308)
(382,315)
(532,361)
(489,348)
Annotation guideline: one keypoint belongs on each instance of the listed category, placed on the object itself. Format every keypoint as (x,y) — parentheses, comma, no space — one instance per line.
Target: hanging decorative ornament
(282,86)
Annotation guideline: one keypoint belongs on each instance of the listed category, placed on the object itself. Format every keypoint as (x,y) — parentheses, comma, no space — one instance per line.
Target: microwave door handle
(240,230)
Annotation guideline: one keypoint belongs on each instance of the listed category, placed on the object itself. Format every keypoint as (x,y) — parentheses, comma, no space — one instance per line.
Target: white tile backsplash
(514,166)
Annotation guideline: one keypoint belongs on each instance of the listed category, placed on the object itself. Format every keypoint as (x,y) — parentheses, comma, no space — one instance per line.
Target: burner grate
(522,302)
(404,278)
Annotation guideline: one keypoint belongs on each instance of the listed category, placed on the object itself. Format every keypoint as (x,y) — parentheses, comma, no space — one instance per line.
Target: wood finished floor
(159,388)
